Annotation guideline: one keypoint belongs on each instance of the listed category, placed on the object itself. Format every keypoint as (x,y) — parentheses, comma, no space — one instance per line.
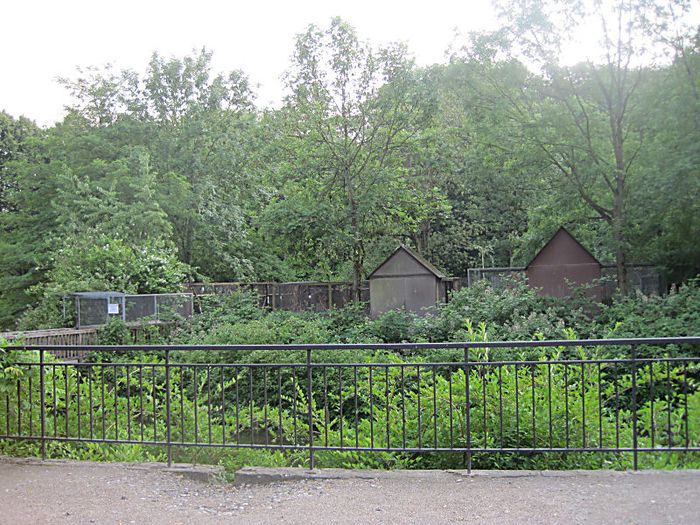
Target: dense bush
(672,315)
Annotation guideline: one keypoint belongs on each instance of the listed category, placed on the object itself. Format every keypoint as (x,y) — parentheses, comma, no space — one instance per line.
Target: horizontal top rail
(379,346)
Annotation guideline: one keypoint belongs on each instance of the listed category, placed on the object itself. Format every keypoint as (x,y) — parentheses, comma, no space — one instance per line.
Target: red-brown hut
(563,262)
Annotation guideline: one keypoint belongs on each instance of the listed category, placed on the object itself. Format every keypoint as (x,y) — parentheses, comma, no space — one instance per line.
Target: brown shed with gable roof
(563,260)
(405,281)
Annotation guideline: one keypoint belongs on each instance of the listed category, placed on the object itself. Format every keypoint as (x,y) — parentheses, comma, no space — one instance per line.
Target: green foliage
(115,332)
(675,314)
(275,328)
(350,122)
(218,310)
(9,371)
(475,162)
(406,403)
(104,264)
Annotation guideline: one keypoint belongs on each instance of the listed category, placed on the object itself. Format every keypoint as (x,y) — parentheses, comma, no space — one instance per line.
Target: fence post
(468,458)
(43,404)
(167,408)
(309,400)
(634,404)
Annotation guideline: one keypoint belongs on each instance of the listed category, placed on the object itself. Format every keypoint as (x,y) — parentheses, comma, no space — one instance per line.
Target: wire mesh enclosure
(97,308)
(642,277)
(497,277)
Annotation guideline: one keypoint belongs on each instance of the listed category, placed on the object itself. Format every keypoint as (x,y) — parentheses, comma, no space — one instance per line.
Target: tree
(351,117)
(668,222)
(585,119)
(15,144)
(199,130)
(488,176)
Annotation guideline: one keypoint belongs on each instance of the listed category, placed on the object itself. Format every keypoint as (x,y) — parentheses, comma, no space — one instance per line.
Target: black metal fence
(616,396)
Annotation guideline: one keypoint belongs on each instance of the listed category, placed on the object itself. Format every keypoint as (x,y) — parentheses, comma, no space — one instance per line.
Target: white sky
(44,39)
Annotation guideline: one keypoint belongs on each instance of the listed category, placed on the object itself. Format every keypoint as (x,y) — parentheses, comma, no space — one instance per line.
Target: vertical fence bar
(403,408)
(634,403)
(685,403)
(651,399)
(583,405)
(483,401)
(155,404)
(340,404)
(500,401)
(371,409)
(435,429)
(223,406)
(55,405)
(566,401)
(310,408)
(195,399)
(420,431)
(449,386)
(517,407)
(209,401)
(168,430)
(468,458)
(279,405)
(388,411)
(66,397)
(265,428)
(128,403)
(19,407)
(43,406)
(30,388)
(669,431)
(357,437)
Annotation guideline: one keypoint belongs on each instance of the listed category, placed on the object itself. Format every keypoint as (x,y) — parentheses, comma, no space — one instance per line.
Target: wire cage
(98,308)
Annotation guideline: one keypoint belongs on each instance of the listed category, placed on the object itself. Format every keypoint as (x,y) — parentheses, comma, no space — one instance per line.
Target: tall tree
(352,114)
(584,119)
(15,144)
(199,130)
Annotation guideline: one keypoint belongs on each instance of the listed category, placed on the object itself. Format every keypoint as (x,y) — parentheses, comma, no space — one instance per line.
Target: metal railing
(612,396)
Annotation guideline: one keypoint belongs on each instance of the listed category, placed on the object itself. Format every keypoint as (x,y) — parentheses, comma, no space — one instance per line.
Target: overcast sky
(44,39)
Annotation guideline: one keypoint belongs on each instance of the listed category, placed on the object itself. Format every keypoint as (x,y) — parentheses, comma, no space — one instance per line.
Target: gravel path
(113,493)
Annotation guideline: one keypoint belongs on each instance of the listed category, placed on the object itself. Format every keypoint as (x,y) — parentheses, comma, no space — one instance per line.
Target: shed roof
(418,258)
(562,232)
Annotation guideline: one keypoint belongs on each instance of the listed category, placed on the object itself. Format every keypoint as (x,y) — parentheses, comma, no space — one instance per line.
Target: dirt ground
(113,493)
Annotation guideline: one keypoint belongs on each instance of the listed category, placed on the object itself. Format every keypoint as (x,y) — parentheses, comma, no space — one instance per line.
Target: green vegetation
(133,401)
(512,313)
(175,174)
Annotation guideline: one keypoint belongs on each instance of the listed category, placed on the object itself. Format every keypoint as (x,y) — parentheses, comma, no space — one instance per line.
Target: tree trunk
(358,256)
(357,270)
(620,244)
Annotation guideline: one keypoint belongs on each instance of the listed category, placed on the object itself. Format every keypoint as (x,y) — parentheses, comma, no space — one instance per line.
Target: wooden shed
(563,260)
(405,281)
